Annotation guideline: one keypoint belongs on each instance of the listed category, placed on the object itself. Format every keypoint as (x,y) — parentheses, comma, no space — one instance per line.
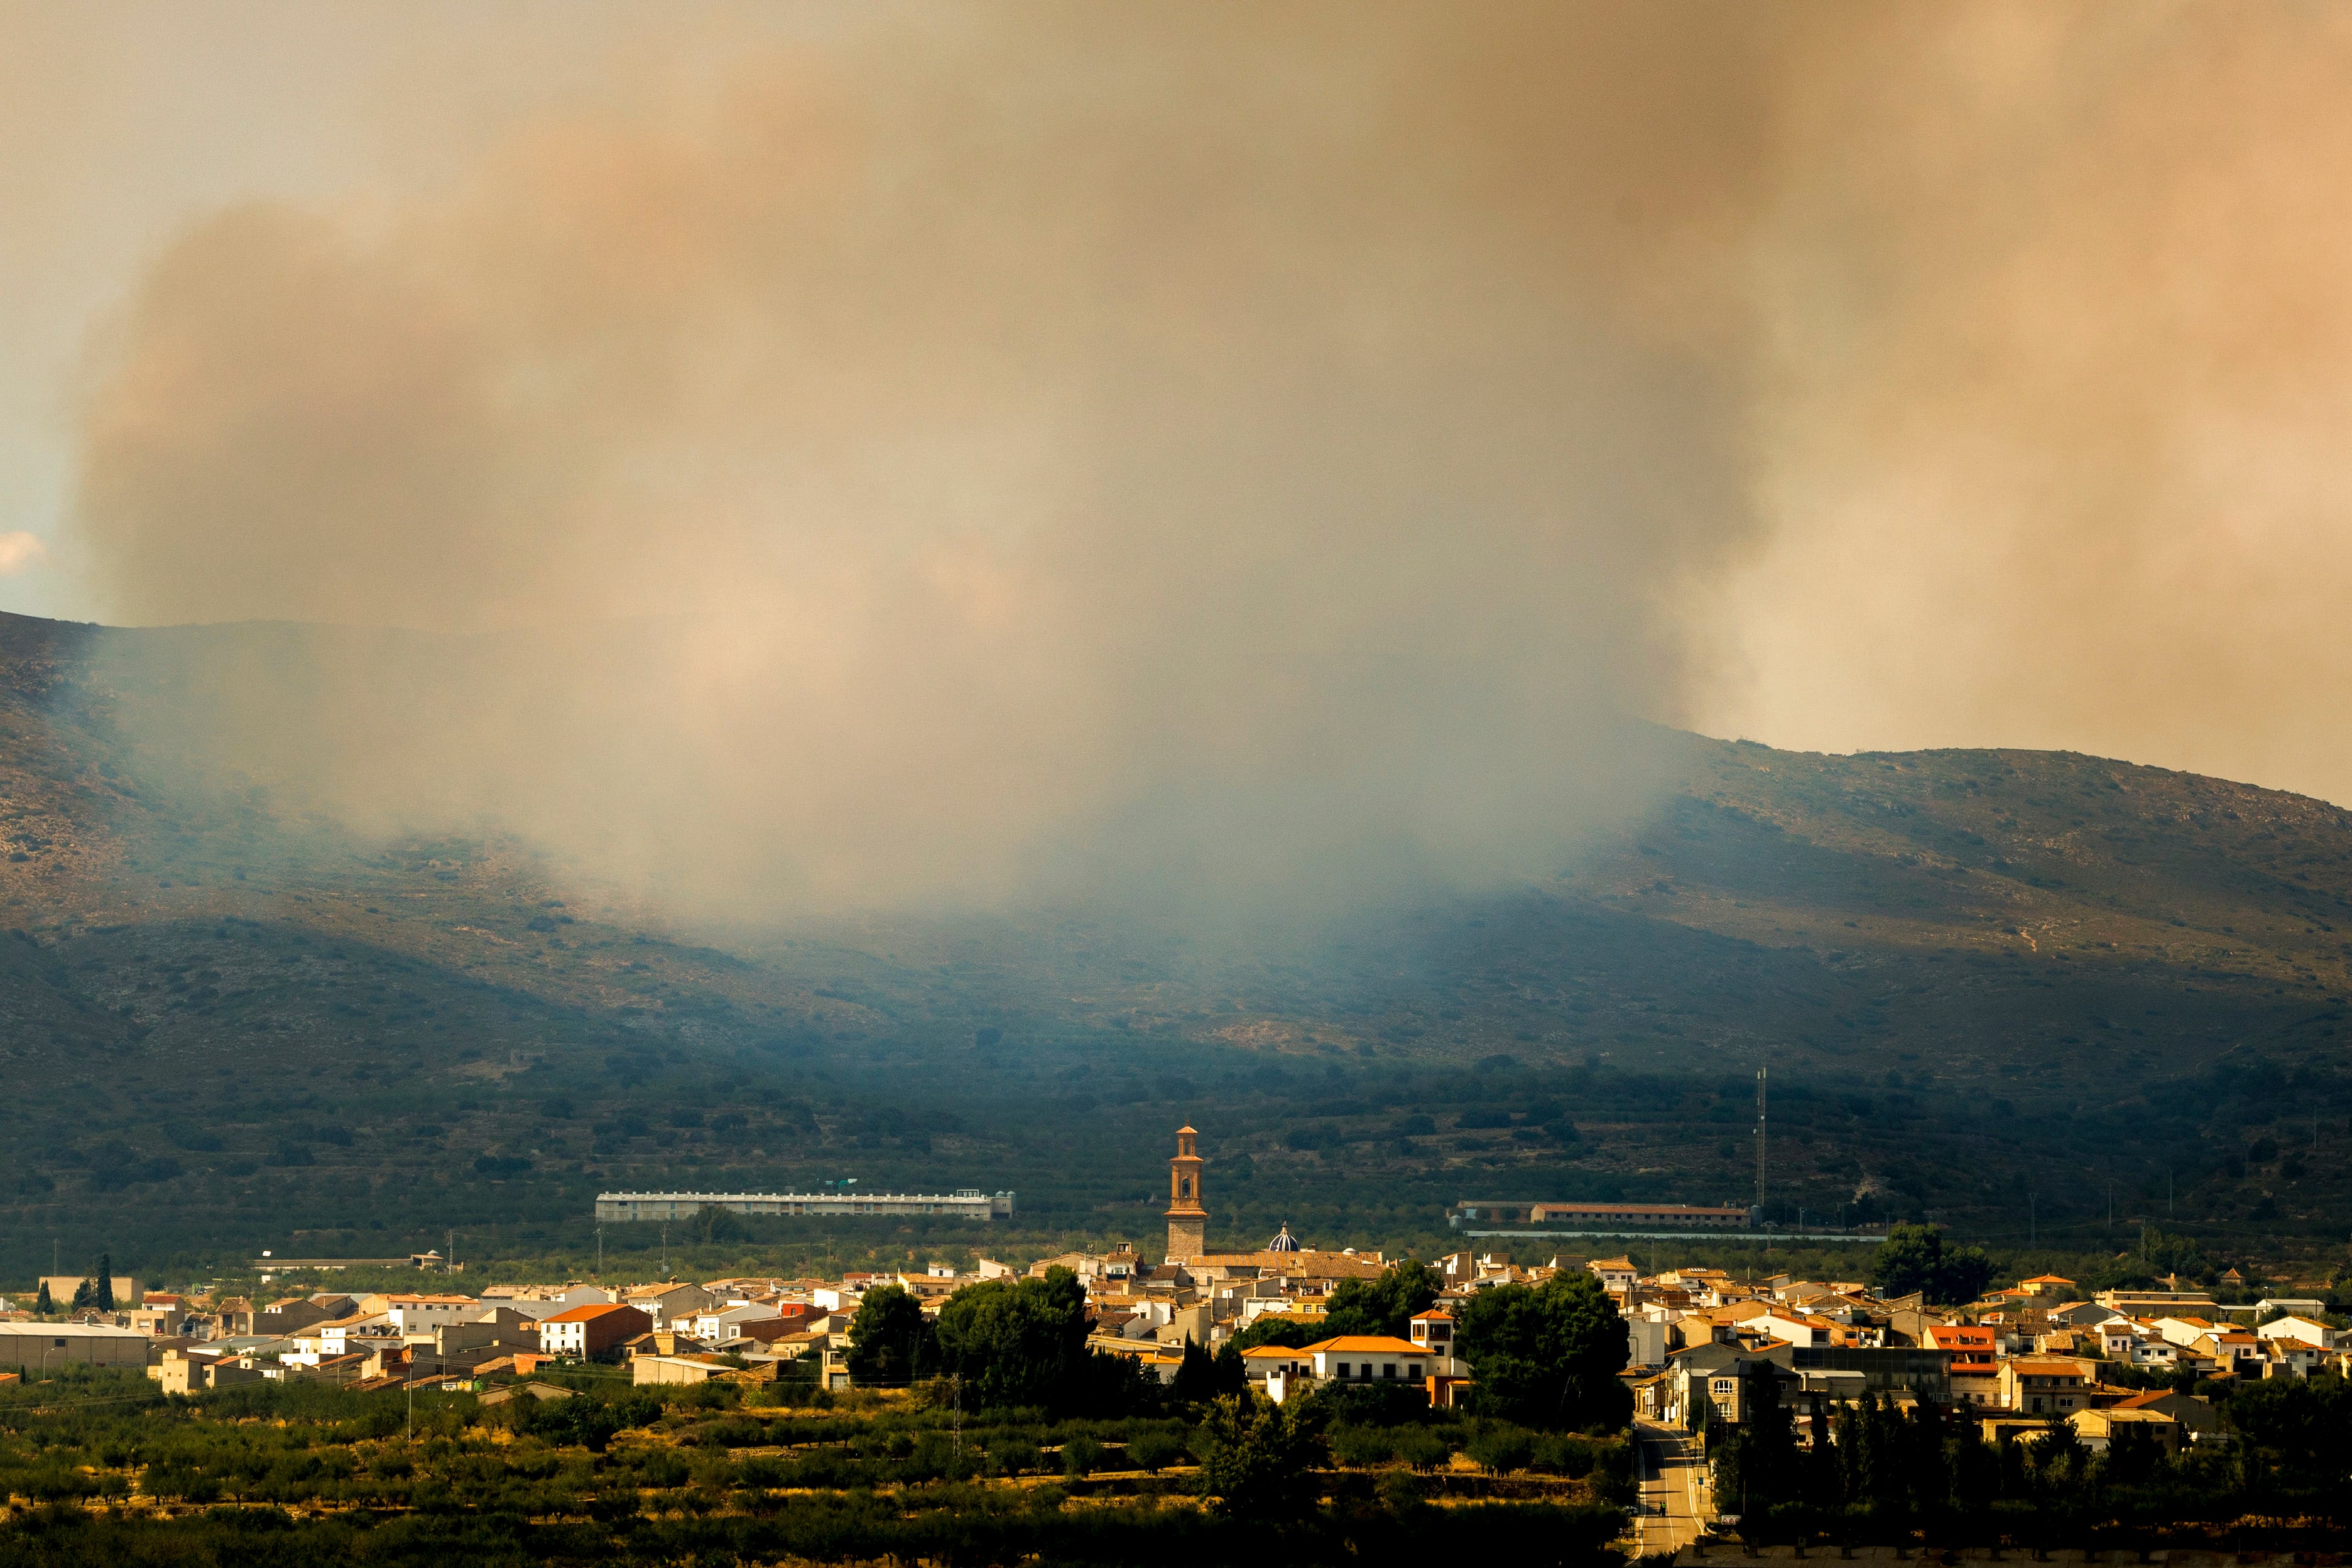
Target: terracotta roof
(1363,1344)
(588,1313)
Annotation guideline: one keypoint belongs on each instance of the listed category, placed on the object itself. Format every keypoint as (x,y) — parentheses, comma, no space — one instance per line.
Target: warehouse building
(970,1202)
(33,1349)
(1522,1212)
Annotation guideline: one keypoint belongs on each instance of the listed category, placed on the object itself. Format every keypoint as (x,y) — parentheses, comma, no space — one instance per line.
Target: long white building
(970,1202)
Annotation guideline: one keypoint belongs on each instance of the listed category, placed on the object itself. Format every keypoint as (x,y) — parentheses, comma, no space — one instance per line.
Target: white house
(2310,1330)
(1616,1274)
(716,1325)
(2185,1332)
(422,1314)
(1795,1328)
(1356,1358)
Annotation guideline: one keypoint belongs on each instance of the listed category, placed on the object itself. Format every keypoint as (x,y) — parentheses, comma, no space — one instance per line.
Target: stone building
(1188,1222)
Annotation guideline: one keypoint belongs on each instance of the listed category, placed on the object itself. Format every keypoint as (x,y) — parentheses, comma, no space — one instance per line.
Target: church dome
(1284,1242)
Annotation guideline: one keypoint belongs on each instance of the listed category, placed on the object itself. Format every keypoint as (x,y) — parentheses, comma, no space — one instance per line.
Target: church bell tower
(1188,1222)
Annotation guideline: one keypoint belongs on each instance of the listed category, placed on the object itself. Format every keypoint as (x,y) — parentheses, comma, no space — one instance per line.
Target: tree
(891,1343)
(1913,1258)
(1548,1355)
(1196,1376)
(1966,1271)
(1258,1462)
(1909,1260)
(1382,1305)
(1757,1465)
(1017,1343)
(102,1294)
(42,1304)
(81,1295)
(2298,1431)
(1273,1329)
(1233,1373)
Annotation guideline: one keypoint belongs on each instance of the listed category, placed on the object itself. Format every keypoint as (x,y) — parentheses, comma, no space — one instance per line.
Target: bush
(1421,1449)
(1569,1456)
(1498,1447)
(1154,1451)
(1080,1454)
(1015,1456)
(1363,1447)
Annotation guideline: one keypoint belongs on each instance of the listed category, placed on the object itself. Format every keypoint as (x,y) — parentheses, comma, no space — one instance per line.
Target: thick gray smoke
(1042,449)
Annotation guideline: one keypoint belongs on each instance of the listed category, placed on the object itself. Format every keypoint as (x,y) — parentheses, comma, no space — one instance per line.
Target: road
(1673,1488)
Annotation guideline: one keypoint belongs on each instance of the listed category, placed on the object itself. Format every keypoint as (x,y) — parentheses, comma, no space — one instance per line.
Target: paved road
(1674,1487)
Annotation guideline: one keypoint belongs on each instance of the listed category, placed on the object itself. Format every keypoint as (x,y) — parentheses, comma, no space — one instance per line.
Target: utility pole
(1760,1085)
(2033,1223)
(599,1252)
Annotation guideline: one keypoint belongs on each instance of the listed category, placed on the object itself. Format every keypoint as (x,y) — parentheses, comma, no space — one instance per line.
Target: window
(1388,1369)
(1413,1372)
(1343,1370)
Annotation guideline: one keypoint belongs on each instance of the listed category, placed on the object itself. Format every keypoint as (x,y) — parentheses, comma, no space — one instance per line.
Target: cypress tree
(81,1295)
(1196,1376)
(1824,1485)
(1233,1373)
(43,1305)
(104,1294)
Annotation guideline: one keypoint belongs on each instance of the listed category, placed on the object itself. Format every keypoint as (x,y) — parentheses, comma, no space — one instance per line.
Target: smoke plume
(2055,377)
(945,456)
(960,458)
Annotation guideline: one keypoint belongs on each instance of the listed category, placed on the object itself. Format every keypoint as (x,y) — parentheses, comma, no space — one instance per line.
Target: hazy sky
(1347,403)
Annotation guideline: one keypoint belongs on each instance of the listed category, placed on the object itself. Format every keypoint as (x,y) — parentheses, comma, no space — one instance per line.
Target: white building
(422,1314)
(2310,1330)
(36,1349)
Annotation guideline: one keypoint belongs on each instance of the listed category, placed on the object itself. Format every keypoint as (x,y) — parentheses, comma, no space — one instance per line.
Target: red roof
(1364,1345)
(588,1313)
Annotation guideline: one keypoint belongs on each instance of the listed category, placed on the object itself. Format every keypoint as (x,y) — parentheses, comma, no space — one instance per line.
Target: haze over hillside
(1973,974)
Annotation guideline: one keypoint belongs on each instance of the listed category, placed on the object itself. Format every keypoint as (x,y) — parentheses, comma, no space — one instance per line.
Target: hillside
(228,1019)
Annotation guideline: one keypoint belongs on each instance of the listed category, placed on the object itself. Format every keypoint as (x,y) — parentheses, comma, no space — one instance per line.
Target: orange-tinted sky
(1136,404)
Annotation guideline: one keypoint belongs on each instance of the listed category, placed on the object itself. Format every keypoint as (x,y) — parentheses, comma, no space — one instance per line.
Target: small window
(1343,1369)
(1388,1369)
(1413,1372)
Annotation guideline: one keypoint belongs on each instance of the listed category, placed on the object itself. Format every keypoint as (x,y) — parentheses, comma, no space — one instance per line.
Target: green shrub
(1569,1455)
(1080,1454)
(1499,1447)
(1421,1449)
(1154,1451)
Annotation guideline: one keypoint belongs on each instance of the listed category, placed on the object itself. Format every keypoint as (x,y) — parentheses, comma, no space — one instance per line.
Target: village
(1701,1344)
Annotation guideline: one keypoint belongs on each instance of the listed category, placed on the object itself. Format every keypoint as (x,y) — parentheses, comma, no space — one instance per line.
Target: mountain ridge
(2041,966)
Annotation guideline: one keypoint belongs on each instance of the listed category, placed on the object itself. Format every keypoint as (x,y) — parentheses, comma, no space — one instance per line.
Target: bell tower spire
(1188,1222)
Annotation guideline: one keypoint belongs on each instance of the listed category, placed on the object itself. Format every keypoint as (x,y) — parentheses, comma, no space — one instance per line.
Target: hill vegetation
(2033,995)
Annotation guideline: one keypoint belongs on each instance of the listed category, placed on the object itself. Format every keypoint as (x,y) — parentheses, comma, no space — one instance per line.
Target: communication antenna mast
(1760,1073)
